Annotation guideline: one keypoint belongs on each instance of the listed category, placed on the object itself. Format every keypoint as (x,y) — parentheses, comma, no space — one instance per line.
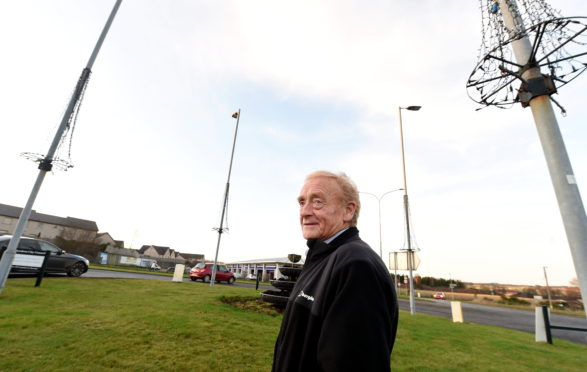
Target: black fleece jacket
(342,313)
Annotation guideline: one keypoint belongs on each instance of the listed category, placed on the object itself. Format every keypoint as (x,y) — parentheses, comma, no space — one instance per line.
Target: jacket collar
(318,248)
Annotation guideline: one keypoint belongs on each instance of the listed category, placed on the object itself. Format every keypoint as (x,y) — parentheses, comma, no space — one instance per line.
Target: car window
(222,268)
(200,266)
(28,245)
(48,247)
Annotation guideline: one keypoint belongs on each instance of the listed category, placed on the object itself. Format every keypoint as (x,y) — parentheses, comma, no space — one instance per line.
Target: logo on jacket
(307,297)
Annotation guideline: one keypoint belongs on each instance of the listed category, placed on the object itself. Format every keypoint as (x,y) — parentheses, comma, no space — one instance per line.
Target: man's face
(322,211)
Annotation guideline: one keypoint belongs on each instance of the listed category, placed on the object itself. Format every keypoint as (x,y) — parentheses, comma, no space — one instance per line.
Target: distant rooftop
(160,249)
(78,223)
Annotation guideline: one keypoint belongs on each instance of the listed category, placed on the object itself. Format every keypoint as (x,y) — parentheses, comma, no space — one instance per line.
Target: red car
(439,296)
(203,271)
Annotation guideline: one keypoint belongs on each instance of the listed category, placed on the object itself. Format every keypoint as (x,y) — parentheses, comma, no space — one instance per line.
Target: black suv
(58,261)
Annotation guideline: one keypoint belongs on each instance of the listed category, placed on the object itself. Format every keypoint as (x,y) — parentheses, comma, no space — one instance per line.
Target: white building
(269,267)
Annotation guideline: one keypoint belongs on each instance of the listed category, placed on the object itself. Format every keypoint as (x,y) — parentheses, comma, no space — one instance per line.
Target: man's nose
(306,209)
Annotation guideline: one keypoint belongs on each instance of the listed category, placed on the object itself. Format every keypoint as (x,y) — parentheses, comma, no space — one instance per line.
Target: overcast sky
(319,85)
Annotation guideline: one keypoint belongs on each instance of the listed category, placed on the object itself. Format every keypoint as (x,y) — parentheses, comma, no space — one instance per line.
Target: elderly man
(342,313)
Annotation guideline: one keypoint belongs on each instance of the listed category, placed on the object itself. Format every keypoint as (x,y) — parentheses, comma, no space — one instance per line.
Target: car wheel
(207,279)
(231,280)
(193,279)
(77,269)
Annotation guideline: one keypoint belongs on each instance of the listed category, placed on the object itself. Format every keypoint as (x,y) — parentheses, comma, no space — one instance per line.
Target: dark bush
(513,301)
(89,250)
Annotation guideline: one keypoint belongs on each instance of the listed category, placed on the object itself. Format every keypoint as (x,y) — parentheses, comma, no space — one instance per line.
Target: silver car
(58,262)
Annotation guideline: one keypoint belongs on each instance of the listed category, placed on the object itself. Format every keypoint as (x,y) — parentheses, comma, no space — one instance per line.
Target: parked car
(203,272)
(439,296)
(154,267)
(58,262)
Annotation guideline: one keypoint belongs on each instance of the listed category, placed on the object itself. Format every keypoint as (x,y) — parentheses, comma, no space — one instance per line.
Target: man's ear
(349,211)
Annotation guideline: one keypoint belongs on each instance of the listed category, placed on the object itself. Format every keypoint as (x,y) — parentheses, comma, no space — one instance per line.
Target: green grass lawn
(90,324)
(132,269)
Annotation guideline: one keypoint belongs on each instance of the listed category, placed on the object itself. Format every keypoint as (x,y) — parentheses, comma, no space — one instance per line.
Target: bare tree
(78,235)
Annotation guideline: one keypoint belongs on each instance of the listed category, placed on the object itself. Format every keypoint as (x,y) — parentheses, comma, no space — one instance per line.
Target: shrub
(513,301)
(81,248)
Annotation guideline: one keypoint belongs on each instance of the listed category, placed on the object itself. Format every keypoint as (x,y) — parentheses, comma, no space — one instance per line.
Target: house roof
(78,223)
(105,237)
(160,249)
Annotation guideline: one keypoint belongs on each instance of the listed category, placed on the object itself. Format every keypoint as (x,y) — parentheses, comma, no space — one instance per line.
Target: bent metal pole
(559,165)
(46,164)
(236,115)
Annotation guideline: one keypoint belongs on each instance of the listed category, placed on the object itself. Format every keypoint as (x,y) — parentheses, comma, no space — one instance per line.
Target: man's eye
(301,203)
(317,203)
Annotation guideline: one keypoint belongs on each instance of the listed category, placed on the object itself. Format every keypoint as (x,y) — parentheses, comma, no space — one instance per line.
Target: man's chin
(310,234)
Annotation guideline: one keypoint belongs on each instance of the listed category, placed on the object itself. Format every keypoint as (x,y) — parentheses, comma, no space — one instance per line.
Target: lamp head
(413,108)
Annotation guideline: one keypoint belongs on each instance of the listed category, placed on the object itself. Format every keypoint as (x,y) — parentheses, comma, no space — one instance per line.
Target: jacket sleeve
(359,325)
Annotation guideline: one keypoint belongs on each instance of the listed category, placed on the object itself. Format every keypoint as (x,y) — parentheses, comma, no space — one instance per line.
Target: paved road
(502,317)
(123,275)
(126,275)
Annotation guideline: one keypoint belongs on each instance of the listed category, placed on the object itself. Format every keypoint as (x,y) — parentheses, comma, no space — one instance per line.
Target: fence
(543,331)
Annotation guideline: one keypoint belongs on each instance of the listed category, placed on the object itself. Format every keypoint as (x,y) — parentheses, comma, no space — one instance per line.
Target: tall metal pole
(395,271)
(547,287)
(380,240)
(237,115)
(407,212)
(46,164)
(451,285)
(557,159)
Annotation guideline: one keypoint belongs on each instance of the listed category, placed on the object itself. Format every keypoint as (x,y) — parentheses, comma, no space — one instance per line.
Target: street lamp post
(406,209)
(46,162)
(379,203)
(221,229)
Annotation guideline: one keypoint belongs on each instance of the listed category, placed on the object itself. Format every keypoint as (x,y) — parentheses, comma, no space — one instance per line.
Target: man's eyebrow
(317,194)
